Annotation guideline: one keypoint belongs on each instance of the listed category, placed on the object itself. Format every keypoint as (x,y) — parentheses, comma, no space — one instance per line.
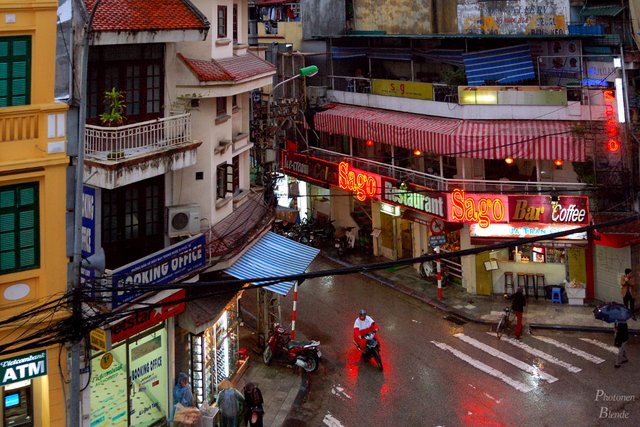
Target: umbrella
(612,312)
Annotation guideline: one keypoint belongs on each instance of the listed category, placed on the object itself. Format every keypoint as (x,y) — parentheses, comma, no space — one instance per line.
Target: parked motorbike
(281,348)
(373,349)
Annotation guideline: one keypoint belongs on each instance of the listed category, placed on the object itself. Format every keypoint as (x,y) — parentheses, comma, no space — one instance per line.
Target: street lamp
(309,71)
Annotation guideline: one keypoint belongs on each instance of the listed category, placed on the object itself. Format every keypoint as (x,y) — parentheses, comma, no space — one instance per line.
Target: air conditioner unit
(316,94)
(183,219)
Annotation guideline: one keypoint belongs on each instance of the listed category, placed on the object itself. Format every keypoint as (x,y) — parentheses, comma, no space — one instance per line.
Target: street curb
(443,307)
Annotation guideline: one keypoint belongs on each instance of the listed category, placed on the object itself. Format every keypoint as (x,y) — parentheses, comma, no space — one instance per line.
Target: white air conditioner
(183,219)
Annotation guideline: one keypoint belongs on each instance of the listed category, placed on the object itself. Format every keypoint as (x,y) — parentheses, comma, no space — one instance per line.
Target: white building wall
(609,267)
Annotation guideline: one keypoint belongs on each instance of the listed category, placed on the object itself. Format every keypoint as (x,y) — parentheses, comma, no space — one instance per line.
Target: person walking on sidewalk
(620,338)
(231,404)
(253,400)
(627,290)
(518,304)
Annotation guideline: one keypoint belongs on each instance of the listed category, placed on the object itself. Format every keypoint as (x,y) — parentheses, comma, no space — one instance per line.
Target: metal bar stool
(508,282)
(522,281)
(541,283)
(531,288)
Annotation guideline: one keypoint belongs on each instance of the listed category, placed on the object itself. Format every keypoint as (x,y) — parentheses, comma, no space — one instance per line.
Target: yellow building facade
(33,164)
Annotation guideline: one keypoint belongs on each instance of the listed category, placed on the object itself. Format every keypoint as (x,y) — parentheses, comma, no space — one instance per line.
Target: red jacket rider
(362,326)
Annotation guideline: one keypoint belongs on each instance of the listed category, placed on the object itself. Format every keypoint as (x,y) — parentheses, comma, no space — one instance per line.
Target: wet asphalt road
(434,378)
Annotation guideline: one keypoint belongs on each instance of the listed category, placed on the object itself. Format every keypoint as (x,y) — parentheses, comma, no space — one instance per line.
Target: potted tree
(114,116)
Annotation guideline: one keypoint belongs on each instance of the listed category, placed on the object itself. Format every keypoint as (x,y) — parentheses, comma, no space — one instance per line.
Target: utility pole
(74,416)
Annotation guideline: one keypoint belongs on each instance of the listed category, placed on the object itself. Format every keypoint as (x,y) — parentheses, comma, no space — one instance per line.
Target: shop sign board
(486,210)
(165,266)
(23,367)
(402,89)
(146,318)
(361,183)
(414,197)
(515,230)
(98,339)
(308,168)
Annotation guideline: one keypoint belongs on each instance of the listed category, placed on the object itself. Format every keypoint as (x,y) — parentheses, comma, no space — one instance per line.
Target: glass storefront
(129,384)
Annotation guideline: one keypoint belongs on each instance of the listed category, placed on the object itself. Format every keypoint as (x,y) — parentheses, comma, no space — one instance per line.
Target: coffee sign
(540,209)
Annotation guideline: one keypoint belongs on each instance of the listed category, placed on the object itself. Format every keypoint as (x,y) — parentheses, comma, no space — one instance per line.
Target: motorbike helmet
(362,312)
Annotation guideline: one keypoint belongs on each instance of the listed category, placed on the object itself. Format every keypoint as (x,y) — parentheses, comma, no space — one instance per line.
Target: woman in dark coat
(253,400)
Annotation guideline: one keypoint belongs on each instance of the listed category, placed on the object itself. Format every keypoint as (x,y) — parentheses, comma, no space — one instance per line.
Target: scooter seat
(297,343)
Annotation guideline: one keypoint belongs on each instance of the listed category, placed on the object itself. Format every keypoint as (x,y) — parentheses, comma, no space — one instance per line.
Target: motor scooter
(372,349)
(281,348)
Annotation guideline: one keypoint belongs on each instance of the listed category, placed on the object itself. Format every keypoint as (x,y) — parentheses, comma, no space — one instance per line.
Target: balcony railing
(20,125)
(116,143)
(438,183)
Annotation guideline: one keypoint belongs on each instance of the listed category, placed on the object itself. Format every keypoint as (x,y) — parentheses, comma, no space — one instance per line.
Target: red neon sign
(360,183)
(611,126)
(477,208)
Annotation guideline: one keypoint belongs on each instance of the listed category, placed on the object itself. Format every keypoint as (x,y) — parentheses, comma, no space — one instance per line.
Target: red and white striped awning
(482,139)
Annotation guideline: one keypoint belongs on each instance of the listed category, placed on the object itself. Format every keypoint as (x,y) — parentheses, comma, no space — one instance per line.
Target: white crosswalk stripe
(507,358)
(600,344)
(541,354)
(485,368)
(580,353)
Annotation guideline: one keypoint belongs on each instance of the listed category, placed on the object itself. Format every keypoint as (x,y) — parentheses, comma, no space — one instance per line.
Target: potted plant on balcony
(114,116)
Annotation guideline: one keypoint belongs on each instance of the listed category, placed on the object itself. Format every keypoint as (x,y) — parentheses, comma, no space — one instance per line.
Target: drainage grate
(454,319)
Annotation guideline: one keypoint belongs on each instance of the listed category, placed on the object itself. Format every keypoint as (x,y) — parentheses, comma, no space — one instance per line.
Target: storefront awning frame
(481,139)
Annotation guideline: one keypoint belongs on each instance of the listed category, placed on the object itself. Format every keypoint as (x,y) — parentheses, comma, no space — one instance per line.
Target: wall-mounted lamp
(558,163)
(369,142)
(417,153)
(508,160)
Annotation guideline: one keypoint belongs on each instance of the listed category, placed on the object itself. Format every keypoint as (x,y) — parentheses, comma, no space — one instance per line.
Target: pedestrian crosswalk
(466,345)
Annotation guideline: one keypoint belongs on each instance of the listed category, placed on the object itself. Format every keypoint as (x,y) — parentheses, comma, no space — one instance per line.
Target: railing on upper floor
(438,183)
(116,143)
(19,126)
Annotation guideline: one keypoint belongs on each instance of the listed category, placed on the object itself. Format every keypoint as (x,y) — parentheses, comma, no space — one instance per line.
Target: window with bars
(15,71)
(228,178)
(136,70)
(132,221)
(222,22)
(19,227)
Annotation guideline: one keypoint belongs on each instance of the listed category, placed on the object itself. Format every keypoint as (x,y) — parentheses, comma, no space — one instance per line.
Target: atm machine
(17,407)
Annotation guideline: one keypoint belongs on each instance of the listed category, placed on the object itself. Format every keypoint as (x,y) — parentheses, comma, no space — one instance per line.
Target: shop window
(135,70)
(132,221)
(222,22)
(19,228)
(15,71)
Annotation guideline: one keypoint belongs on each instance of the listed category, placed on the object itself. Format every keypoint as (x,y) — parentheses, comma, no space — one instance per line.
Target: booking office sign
(162,267)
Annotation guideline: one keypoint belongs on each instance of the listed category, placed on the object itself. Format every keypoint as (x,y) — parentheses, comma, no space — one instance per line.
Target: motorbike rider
(361,327)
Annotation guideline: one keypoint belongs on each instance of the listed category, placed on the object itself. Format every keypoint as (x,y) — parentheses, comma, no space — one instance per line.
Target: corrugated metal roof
(602,11)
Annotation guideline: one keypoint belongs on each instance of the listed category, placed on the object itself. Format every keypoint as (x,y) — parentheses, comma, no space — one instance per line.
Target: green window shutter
(15,71)
(19,228)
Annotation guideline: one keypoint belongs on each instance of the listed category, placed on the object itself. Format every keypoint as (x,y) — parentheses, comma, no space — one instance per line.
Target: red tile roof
(146,15)
(232,69)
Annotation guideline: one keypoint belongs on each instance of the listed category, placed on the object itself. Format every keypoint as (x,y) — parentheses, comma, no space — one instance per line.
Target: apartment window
(222,22)
(15,71)
(132,221)
(234,102)
(228,178)
(235,23)
(135,70)
(19,228)
(221,106)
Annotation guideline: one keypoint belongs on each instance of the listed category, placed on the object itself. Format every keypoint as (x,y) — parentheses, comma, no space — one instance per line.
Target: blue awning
(503,65)
(273,255)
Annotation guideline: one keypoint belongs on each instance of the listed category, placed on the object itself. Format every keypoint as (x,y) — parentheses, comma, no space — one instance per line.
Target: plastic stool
(541,283)
(556,295)
(508,282)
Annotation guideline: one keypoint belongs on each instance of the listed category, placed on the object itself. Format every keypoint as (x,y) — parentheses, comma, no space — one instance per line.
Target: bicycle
(506,321)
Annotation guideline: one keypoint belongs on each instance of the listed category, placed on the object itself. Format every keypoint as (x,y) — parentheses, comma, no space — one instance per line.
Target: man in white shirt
(361,327)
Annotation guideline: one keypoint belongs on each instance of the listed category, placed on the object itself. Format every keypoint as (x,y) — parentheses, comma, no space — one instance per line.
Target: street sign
(438,240)
(437,226)
(98,339)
